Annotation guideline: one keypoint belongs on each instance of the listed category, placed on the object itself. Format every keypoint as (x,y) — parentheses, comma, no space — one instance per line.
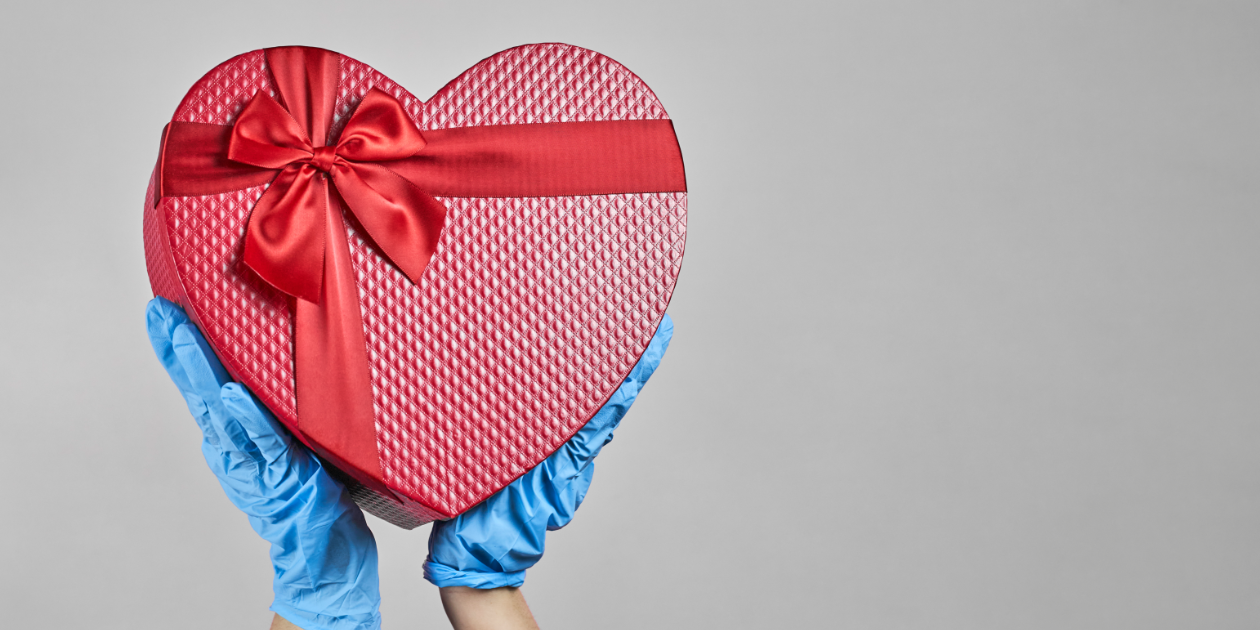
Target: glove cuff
(443,576)
(315,621)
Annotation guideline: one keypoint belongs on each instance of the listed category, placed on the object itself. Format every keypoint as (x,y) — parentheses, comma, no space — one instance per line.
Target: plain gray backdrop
(968,331)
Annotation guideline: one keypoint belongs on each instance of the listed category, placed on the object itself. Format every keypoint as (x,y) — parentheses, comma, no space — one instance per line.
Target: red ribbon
(285,242)
(385,172)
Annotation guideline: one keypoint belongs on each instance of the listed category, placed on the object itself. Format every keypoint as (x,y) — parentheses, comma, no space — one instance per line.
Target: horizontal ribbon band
(540,160)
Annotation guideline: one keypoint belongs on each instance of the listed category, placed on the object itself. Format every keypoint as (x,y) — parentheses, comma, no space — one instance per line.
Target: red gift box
(432,295)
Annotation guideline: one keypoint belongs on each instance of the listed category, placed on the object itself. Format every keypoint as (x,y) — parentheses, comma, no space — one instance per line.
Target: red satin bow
(285,241)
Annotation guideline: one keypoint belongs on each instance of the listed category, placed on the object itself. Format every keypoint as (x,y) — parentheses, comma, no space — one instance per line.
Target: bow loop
(284,243)
(266,135)
(379,131)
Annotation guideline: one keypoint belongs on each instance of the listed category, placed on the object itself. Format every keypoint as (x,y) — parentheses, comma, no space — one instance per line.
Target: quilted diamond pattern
(161,275)
(542,83)
(357,79)
(528,316)
(249,322)
(220,95)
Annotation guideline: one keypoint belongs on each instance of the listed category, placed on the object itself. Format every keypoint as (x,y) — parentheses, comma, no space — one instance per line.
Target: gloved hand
(323,553)
(492,544)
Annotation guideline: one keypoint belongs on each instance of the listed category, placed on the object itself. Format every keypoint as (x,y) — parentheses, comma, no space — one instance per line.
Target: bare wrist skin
(280,623)
(471,609)
(487,609)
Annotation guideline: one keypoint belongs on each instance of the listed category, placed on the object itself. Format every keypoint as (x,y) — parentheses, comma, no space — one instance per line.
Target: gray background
(967,329)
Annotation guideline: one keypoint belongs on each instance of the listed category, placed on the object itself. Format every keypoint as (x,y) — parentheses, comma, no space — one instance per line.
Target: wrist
(475,609)
(444,577)
(326,573)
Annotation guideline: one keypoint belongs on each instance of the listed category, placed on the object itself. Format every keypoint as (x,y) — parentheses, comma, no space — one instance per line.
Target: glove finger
(162,317)
(208,433)
(566,497)
(207,377)
(213,454)
(205,373)
(272,439)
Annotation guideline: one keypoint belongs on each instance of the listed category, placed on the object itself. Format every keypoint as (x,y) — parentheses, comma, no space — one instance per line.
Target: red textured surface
(156,250)
(526,320)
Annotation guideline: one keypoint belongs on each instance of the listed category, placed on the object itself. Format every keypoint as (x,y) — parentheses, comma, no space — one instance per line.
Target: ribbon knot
(284,243)
(323,158)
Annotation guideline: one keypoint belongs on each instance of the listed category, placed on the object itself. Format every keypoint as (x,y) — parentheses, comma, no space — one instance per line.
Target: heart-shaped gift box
(446,291)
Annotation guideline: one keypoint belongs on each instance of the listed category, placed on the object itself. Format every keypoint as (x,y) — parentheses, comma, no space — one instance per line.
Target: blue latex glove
(323,553)
(492,544)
